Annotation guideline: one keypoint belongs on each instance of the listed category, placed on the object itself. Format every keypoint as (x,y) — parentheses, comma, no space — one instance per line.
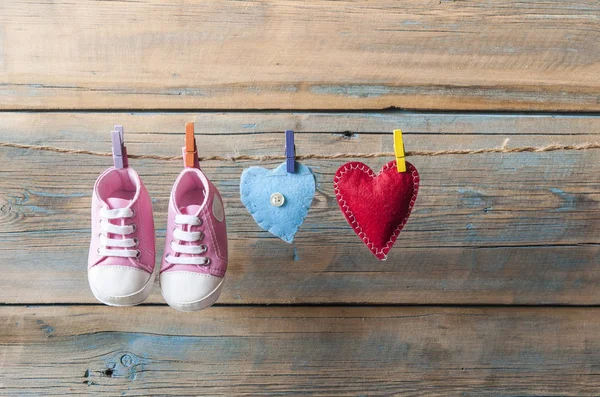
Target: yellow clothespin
(399,151)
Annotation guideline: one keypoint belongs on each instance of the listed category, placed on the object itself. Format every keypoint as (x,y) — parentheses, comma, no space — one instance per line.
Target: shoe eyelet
(132,213)
(134,226)
(204,247)
(206,262)
(138,255)
(136,241)
(98,251)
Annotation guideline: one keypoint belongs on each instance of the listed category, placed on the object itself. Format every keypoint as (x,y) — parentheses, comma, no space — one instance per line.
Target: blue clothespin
(290,151)
(119,150)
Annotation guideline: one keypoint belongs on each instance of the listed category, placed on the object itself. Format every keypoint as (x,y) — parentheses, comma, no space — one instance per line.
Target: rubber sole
(128,300)
(203,303)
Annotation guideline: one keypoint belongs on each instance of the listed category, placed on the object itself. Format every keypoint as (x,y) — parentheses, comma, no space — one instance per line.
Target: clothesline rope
(244,157)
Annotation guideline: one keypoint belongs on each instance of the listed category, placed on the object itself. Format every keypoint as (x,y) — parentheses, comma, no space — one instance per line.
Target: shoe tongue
(189,210)
(115,203)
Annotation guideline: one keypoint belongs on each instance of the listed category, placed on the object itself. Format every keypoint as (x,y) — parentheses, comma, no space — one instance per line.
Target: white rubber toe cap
(120,285)
(189,291)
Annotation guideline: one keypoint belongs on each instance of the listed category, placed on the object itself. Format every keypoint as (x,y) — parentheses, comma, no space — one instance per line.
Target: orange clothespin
(190,151)
(399,151)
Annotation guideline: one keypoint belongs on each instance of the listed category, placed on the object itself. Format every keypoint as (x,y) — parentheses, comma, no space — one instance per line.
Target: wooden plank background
(488,229)
(250,351)
(275,54)
(492,288)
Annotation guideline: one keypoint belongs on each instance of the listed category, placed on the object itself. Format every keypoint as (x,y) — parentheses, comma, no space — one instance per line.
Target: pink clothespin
(119,150)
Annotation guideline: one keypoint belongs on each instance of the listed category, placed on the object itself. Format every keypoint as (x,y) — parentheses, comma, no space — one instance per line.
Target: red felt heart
(376,206)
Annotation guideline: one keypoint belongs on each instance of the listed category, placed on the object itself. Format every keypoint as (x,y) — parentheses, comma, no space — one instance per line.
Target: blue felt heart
(277,200)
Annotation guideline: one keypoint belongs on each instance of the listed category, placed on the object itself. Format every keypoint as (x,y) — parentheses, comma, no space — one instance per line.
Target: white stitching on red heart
(346,209)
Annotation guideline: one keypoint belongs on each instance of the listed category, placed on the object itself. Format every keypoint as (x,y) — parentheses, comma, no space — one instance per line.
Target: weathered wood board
(329,351)
(152,54)
(518,228)
(521,230)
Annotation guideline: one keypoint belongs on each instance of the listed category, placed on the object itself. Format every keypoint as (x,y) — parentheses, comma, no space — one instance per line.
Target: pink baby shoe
(121,257)
(195,257)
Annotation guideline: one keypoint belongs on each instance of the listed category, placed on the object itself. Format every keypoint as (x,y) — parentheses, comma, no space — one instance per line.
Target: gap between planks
(324,305)
(385,111)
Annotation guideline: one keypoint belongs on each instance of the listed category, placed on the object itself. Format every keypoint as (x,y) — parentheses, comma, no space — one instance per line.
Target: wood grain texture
(493,229)
(329,351)
(510,55)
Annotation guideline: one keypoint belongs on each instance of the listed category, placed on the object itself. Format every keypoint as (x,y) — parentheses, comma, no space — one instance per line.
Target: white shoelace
(189,237)
(110,228)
